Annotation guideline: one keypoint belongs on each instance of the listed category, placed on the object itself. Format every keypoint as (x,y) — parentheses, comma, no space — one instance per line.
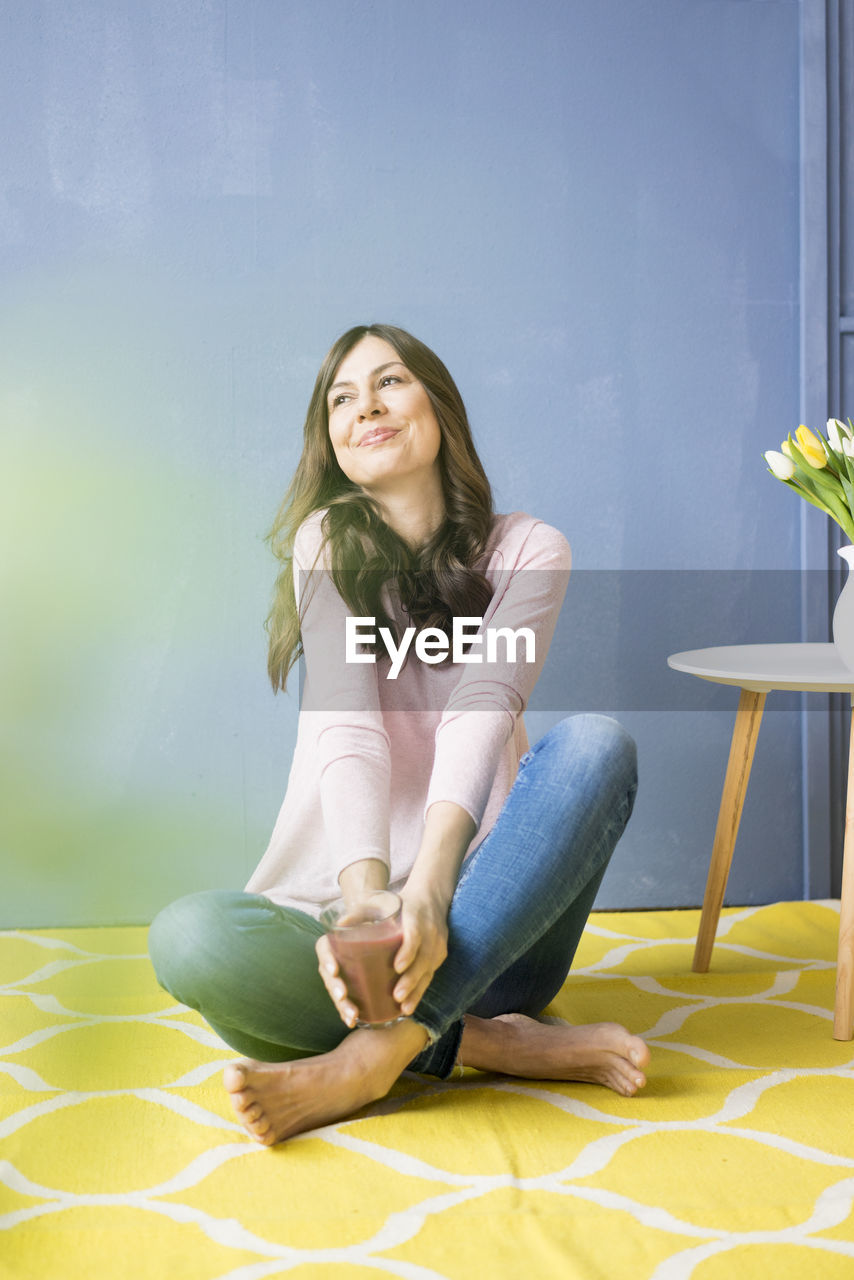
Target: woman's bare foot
(599,1053)
(275,1100)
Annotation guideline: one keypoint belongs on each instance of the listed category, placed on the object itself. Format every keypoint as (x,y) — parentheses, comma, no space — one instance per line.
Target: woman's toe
(639,1054)
(234,1077)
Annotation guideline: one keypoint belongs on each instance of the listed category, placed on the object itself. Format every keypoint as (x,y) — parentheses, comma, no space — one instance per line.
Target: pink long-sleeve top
(373,753)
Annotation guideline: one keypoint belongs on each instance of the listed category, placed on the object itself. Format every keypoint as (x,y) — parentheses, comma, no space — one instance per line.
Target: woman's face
(381,422)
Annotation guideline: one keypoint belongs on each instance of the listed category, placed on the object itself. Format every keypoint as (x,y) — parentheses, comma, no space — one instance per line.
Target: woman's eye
(388,377)
(336,400)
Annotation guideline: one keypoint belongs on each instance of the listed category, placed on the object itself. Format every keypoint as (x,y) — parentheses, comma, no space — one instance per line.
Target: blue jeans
(517,915)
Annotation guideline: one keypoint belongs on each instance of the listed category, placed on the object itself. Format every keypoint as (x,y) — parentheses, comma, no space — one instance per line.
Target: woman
(409,772)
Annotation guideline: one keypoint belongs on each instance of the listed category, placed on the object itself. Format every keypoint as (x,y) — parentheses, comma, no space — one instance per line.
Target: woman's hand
(334,983)
(426,898)
(358,881)
(424,946)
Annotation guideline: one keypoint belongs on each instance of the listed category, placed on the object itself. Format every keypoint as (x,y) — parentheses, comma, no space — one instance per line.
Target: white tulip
(837,433)
(781,466)
(848,446)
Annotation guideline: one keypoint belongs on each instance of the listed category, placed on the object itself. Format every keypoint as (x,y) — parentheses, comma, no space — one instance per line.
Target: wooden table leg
(747,721)
(843,1014)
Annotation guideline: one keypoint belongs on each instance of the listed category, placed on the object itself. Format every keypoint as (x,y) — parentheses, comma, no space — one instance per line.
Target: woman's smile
(377,436)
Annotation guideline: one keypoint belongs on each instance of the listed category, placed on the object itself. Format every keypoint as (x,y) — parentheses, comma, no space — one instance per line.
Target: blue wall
(589,209)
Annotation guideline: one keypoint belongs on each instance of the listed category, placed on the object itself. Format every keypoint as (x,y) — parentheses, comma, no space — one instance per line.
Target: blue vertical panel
(840,98)
(590,210)
(846,176)
(821,724)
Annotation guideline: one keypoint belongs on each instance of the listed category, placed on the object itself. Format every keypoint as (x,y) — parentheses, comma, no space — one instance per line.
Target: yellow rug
(119,1157)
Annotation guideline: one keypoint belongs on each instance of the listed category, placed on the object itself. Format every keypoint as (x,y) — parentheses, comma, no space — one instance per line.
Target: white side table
(757,669)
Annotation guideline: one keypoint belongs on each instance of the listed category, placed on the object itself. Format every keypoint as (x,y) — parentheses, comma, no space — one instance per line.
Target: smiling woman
(417,509)
(421,781)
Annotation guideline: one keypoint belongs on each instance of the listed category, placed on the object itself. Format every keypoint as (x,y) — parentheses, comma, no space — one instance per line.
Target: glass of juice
(365,937)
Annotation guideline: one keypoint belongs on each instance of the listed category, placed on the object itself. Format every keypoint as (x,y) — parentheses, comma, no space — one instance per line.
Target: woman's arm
(489,697)
(448,832)
(477,721)
(427,894)
(340,703)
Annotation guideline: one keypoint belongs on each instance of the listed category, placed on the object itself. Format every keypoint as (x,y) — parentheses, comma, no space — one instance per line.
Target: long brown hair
(433,582)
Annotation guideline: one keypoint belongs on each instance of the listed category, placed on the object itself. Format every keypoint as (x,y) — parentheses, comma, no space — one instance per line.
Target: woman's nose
(370,406)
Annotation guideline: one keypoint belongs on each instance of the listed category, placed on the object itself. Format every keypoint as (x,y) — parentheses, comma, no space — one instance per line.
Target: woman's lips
(376,437)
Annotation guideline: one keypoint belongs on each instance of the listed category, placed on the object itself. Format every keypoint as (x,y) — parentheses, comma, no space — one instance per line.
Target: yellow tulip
(786,448)
(811,447)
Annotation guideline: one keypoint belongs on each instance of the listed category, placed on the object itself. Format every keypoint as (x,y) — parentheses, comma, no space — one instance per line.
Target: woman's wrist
(362,878)
(434,893)
(448,831)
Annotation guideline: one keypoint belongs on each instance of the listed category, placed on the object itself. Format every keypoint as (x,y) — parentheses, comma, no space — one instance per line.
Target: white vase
(843,614)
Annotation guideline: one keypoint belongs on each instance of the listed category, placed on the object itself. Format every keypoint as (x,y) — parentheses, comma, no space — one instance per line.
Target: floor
(119,1156)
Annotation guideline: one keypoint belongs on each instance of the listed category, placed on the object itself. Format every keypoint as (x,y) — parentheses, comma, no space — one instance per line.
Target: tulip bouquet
(820,469)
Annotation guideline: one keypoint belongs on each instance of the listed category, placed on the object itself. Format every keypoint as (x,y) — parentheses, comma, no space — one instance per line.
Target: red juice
(365,953)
